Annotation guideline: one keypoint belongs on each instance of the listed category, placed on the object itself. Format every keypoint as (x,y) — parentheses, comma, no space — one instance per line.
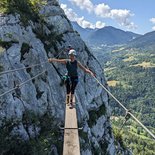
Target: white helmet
(72,51)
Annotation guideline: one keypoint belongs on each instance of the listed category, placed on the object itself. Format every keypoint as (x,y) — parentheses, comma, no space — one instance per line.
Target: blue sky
(130,15)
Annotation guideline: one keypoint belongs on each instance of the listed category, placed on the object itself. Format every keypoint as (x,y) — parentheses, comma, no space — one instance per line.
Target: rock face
(23,46)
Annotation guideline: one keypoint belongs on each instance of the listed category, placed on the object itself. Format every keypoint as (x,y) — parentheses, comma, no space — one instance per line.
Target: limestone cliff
(38,106)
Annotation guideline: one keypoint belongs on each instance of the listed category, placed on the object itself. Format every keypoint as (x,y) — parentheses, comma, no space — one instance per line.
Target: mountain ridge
(146,41)
(107,35)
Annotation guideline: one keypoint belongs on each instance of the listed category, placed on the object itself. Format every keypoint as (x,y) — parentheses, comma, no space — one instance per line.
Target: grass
(140,79)
(5,44)
(144,65)
(118,50)
(125,85)
(95,114)
(109,69)
(1,49)
(142,135)
(28,9)
(130,129)
(131,58)
(112,83)
(49,135)
(133,137)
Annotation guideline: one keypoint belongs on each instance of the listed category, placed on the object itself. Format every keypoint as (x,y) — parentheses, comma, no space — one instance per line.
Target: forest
(130,75)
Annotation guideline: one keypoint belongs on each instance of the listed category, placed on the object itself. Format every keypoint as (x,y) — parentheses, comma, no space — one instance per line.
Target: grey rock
(44,94)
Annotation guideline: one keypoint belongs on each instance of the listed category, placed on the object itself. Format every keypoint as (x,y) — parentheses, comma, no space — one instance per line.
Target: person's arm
(63,61)
(85,69)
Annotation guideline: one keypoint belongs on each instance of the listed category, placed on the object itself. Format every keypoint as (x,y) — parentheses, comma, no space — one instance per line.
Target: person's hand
(49,60)
(92,74)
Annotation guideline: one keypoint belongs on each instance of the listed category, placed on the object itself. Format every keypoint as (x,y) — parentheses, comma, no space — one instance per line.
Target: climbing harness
(64,78)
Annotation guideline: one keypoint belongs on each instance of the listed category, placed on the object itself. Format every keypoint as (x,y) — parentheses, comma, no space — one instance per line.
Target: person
(71,64)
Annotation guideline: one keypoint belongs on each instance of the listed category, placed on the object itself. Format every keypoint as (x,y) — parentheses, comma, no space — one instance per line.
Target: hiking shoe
(67,99)
(71,106)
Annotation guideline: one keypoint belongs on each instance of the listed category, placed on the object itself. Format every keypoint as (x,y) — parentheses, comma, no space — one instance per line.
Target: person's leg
(74,82)
(68,89)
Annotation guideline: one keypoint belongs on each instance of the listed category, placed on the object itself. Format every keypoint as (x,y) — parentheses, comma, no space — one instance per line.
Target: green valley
(130,74)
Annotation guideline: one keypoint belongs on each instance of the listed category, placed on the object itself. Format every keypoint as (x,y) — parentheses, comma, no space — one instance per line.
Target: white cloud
(84,4)
(84,23)
(152,20)
(99,24)
(123,18)
(102,10)
(153,28)
(120,14)
(74,17)
(69,12)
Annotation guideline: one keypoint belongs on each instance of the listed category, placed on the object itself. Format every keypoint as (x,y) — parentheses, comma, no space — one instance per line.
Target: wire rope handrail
(21,84)
(127,111)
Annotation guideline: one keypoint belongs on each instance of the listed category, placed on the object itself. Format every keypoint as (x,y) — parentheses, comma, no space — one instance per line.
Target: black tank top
(72,68)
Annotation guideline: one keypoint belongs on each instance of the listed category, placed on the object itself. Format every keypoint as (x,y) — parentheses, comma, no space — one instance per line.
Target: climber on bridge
(72,74)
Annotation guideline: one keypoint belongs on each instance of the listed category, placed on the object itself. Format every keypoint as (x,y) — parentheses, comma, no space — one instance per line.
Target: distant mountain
(145,41)
(107,35)
(84,32)
(110,36)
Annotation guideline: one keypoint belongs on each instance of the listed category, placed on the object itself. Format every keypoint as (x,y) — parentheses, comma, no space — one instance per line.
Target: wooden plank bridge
(71,136)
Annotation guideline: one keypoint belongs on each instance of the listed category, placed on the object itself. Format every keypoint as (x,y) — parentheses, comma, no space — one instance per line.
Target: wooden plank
(71,136)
